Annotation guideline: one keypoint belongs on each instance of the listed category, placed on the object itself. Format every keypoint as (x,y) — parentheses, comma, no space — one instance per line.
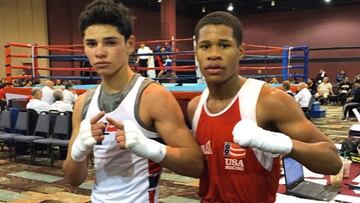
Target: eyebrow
(106,38)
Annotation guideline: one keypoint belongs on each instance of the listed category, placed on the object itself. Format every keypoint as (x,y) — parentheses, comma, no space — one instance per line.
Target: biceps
(171,126)
(304,131)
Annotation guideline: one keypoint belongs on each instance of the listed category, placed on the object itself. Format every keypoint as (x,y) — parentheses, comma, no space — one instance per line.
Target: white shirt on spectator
(61,106)
(47,95)
(145,50)
(38,105)
(69,97)
(303,97)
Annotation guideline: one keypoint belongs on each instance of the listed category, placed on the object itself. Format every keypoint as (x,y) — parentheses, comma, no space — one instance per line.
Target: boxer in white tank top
(127,162)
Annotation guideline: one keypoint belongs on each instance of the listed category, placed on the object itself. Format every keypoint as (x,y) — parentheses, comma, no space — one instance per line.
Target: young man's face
(106,49)
(218,53)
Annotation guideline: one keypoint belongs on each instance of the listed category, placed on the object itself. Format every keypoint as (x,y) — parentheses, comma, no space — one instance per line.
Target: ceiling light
(230,7)
(273,3)
(327,1)
(203,9)
(159,1)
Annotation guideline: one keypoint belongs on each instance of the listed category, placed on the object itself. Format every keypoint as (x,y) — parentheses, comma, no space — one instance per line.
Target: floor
(22,182)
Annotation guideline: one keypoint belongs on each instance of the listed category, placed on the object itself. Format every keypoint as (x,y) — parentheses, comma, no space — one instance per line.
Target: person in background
(303,96)
(142,61)
(59,105)
(354,103)
(312,86)
(324,90)
(2,97)
(320,76)
(287,87)
(47,92)
(35,102)
(340,76)
(345,87)
(69,93)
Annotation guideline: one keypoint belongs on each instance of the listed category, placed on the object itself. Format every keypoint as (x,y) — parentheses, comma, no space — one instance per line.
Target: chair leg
(33,154)
(51,152)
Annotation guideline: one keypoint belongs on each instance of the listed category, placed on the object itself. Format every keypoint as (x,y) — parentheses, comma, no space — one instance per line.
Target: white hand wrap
(142,146)
(83,143)
(247,134)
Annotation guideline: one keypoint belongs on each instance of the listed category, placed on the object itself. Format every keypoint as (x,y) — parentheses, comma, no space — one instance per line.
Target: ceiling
(193,8)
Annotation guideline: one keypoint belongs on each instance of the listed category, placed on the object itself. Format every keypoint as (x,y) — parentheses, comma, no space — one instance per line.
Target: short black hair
(107,12)
(69,85)
(222,18)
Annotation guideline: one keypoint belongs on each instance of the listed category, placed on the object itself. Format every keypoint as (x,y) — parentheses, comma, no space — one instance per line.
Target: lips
(213,69)
(101,64)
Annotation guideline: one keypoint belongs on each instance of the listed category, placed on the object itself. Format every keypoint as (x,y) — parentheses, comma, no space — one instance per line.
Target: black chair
(6,138)
(22,143)
(21,129)
(59,139)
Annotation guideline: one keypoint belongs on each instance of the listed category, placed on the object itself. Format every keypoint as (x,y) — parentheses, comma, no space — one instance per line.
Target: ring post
(285,62)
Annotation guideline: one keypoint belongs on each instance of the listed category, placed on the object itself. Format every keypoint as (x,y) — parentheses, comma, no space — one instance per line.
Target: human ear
(130,43)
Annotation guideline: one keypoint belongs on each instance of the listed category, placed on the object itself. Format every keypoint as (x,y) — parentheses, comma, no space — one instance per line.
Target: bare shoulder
(275,106)
(156,93)
(192,107)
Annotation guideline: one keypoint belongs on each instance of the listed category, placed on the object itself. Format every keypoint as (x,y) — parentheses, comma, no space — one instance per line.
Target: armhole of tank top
(248,98)
(88,96)
(143,86)
(198,109)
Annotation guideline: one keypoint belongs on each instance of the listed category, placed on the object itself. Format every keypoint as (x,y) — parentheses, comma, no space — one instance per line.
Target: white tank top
(122,176)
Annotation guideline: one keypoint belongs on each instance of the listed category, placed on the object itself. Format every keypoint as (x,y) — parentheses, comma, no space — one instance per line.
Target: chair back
(22,122)
(63,127)
(5,121)
(33,117)
(42,125)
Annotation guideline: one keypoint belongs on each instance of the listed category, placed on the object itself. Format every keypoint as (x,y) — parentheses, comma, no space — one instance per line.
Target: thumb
(117,124)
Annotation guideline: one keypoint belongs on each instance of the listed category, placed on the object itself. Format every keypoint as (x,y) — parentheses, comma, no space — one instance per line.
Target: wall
(22,21)
(329,27)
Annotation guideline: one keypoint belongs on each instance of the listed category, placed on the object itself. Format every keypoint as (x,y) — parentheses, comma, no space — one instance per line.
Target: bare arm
(183,154)
(310,146)
(75,172)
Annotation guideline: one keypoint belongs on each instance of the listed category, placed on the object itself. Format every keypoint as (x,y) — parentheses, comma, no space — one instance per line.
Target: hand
(247,134)
(90,133)
(130,137)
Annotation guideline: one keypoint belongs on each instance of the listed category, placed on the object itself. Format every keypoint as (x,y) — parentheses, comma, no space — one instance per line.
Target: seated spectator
(274,81)
(287,87)
(59,105)
(340,76)
(36,103)
(2,98)
(69,94)
(324,90)
(303,96)
(47,92)
(354,103)
(312,86)
(58,83)
(344,90)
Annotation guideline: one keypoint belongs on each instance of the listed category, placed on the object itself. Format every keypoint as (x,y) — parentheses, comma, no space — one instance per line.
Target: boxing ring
(69,63)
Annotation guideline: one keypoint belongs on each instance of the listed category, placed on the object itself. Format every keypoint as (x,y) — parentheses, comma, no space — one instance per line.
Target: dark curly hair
(222,18)
(107,12)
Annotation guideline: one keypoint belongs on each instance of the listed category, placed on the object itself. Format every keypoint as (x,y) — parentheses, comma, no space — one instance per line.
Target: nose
(100,51)
(214,53)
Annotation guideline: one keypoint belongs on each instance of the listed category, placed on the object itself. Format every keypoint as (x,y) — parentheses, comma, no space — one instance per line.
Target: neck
(227,89)
(118,81)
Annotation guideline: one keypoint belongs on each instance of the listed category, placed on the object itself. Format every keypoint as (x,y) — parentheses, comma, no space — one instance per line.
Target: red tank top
(233,174)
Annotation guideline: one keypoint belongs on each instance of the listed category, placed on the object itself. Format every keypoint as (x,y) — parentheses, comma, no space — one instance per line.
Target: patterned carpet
(22,182)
